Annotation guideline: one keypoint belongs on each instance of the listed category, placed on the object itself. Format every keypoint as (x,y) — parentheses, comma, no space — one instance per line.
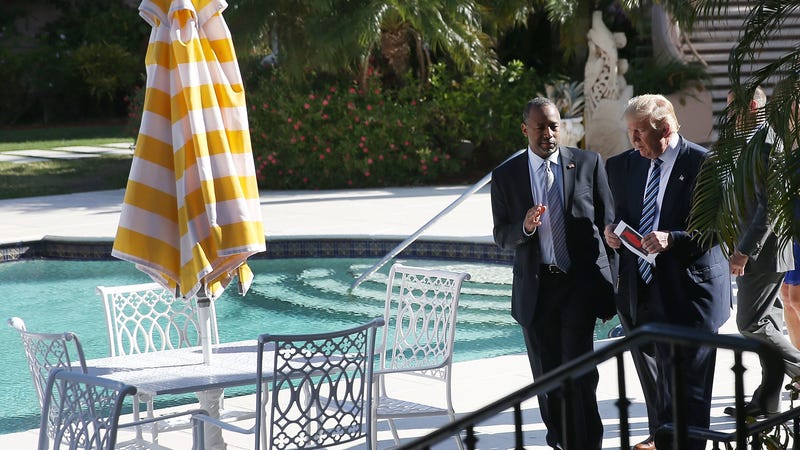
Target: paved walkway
(70,152)
(381,213)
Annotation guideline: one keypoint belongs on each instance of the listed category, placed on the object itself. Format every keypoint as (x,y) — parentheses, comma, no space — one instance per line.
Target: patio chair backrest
(420,314)
(146,317)
(321,393)
(47,351)
(83,410)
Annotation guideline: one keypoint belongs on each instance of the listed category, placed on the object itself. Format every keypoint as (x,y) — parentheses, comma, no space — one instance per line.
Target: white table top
(182,371)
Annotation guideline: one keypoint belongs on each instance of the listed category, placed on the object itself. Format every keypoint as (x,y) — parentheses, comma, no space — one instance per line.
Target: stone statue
(606,91)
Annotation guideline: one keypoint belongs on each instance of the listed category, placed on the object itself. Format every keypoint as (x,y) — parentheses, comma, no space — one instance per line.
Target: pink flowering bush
(331,134)
(327,132)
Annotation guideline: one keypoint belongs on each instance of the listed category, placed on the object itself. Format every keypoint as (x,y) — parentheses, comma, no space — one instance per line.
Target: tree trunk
(396,49)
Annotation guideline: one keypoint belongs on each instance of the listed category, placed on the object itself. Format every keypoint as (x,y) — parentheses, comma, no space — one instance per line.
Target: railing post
(471,440)
(738,370)
(796,433)
(675,342)
(623,404)
(756,443)
(681,439)
(518,438)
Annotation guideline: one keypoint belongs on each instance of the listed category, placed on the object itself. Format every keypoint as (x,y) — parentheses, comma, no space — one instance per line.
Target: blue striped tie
(649,208)
(556,220)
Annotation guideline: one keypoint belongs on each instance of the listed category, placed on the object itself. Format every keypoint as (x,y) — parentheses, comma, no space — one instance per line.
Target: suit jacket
(756,237)
(588,207)
(693,281)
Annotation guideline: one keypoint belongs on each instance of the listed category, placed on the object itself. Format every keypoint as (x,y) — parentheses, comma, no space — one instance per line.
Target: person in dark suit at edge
(688,285)
(759,261)
(549,206)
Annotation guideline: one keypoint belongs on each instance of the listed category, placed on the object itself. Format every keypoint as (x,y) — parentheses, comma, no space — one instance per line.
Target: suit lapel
(524,189)
(676,183)
(640,166)
(522,173)
(568,172)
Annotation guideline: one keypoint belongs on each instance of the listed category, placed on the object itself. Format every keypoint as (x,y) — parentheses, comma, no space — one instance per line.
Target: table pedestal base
(211,401)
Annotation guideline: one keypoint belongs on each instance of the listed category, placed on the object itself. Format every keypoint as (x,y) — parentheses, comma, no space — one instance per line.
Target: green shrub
(485,110)
(135,104)
(15,101)
(107,69)
(322,133)
(650,75)
(84,58)
(60,94)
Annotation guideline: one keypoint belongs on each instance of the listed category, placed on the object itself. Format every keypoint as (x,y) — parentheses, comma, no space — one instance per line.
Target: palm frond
(562,11)
(715,196)
(722,189)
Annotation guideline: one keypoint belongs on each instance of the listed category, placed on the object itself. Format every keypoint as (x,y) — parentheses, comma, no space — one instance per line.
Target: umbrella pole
(204,317)
(210,400)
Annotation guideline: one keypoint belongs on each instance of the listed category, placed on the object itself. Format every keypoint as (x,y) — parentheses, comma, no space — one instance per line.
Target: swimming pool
(286,295)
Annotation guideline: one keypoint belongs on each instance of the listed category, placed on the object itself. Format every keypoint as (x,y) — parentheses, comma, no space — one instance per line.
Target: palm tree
(573,18)
(728,172)
(338,36)
(397,28)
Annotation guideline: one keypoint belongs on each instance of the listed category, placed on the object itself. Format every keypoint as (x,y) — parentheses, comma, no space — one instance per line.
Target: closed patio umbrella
(191,215)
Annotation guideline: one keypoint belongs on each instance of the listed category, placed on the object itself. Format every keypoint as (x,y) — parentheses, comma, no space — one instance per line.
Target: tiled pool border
(95,249)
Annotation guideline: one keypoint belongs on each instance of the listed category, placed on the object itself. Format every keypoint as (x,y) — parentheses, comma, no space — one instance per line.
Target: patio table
(182,371)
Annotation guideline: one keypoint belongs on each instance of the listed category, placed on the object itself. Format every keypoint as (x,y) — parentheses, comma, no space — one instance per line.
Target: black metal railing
(675,336)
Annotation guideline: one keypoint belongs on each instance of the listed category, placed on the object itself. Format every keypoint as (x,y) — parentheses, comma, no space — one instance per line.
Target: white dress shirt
(536,169)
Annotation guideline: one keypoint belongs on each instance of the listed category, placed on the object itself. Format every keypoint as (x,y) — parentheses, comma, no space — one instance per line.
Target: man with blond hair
(685,284)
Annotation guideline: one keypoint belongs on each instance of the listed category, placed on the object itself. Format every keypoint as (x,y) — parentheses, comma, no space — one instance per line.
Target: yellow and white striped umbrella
(191,215)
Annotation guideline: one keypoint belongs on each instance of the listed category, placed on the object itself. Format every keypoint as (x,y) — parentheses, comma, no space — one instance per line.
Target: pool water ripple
(286,296)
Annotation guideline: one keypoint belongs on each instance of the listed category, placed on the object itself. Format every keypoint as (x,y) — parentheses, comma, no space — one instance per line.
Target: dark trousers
(759,316)
(562,330)
(644,359)
(654,366)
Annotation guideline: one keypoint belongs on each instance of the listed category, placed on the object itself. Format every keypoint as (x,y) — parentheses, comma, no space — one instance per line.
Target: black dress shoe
(647,444)
(750,410)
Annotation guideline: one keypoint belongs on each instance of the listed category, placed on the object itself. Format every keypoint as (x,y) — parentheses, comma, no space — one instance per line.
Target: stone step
(714,38)
(724,46)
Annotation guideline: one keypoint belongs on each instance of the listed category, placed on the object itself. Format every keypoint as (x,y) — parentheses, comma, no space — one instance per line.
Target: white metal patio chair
(417,343)
(48,351)
(143,318)
(82,411)
(321,389)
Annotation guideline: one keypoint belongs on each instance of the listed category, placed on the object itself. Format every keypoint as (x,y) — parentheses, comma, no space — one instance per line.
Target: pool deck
(393,213)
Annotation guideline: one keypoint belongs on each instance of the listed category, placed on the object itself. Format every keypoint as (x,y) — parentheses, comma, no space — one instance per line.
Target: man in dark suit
(759,262)
(549,205)
(688,284)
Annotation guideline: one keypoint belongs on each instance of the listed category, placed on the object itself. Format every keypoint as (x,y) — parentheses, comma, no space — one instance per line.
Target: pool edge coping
(98,248)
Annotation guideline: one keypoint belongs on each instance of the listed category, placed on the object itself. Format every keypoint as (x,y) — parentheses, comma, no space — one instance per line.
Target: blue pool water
(286,296)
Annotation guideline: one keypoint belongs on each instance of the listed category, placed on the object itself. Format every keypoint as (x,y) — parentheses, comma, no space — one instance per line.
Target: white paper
(633,241)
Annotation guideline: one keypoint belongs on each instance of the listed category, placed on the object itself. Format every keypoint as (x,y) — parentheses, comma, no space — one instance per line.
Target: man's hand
(656,241)
(611,239)
(737,262)
(533,218)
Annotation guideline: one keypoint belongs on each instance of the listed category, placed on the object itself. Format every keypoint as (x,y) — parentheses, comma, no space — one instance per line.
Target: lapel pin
(680,177)
(570,166)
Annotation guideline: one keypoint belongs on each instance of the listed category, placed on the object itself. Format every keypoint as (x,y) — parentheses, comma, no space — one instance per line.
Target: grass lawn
(30,138)
(53,177)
